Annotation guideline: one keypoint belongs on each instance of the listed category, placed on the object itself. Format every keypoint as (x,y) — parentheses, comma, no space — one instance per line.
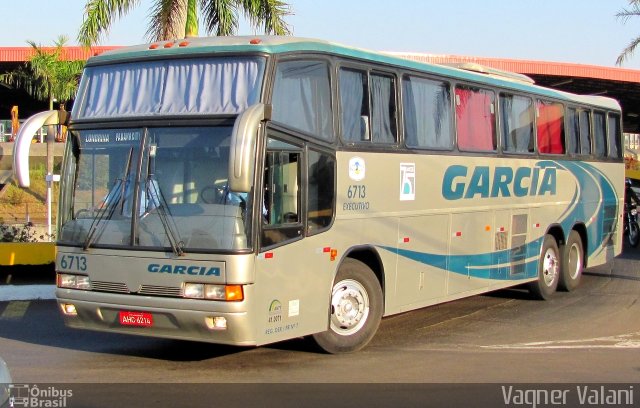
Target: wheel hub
(550,267)
(350,307)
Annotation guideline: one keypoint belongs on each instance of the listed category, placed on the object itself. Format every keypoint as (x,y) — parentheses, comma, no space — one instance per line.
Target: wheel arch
(555,230)
(370,257)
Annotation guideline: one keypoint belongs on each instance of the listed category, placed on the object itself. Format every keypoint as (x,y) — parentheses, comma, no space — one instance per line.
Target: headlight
(213,292)
(69,281)
(216,292)
(194,290)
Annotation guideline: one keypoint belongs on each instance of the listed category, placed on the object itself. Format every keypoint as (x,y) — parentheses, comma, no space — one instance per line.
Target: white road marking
(621,341)
(15,310)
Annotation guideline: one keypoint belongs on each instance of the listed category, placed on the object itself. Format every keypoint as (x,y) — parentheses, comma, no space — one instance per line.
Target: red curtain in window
(475,120)
(550,128)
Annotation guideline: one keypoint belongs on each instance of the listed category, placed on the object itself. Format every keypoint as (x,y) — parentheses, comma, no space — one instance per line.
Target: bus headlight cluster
(69,281)
(213,292)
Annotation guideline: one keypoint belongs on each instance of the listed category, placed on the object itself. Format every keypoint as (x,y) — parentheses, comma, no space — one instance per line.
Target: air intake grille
(160,291)
(109,287)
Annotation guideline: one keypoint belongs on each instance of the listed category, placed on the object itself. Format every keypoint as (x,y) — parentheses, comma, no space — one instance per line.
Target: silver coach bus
(247,190)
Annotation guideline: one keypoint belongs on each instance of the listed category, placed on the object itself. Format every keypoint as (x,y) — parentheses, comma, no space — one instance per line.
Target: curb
(10,293)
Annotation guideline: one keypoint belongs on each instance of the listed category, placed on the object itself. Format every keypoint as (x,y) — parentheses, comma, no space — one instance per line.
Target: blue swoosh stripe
(592,185)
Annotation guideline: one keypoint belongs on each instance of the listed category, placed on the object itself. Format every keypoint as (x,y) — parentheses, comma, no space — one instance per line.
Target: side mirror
(243,146)
(23,141)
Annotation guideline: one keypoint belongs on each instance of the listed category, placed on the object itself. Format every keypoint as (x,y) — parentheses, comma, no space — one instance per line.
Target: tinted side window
(354,105)
(475,119)
(302,97)
(585,132)
(573,131)
(281,193)
(599,134)
(550,127)
(427,113)
(321,193)
(383,109)
(614,136)
(517,123)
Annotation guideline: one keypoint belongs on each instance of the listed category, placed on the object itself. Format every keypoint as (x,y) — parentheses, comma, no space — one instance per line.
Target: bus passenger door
(293,276)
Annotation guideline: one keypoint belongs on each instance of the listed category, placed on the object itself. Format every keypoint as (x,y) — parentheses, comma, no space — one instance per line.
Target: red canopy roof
(534,67)
(21,54)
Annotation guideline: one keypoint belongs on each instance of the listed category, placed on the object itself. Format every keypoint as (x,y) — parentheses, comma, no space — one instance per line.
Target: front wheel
(633,234)
(548,270)
(356,309)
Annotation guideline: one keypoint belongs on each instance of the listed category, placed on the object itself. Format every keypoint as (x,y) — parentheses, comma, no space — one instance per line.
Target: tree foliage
(625,15)
(47,75)
(171,19)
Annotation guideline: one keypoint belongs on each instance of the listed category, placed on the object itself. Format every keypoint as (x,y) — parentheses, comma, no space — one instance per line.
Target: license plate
(141,319)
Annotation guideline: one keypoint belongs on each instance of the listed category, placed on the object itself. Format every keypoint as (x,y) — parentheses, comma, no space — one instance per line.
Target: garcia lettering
(184,270)
(485,182)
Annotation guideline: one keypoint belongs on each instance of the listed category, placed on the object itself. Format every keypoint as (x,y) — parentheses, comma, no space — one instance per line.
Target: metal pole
(49,177)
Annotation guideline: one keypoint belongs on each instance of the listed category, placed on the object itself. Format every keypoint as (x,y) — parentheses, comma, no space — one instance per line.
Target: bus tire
(548,270)
(633,234)
(355,309)
(572,263)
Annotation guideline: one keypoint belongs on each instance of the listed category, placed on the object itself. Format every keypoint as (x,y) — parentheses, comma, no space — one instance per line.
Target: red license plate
(141,319)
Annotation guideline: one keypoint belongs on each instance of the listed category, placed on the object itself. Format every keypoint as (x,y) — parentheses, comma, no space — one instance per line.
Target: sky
(574,31)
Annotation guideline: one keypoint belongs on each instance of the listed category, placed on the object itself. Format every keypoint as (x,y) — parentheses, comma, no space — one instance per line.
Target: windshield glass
(152,188)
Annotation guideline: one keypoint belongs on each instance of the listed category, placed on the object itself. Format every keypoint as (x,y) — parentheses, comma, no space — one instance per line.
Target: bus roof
(286,44)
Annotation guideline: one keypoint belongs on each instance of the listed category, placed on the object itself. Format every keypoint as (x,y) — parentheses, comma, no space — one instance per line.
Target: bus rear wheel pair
(558,267)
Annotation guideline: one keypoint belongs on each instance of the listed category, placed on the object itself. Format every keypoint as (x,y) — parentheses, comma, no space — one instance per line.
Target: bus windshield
(152,188)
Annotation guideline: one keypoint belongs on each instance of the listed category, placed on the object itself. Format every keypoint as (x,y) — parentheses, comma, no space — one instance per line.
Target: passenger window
(573,131)
(585,132)
(383,109)
(302,97)
(475,119)
(281,193)
(427,113)
(615,136)
(368,107)
(354,105)
(517,123)
(599,134)
(321,194)
(550,127)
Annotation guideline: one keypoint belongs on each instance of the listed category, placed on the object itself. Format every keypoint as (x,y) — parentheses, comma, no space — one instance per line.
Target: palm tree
(624,15)
(172,19)
(47,75)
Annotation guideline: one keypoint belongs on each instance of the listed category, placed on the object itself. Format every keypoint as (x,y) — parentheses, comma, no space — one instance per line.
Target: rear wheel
(548,270)
(572,262)
(356,309)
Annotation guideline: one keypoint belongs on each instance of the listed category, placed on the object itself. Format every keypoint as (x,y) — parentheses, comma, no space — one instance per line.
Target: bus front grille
(147,290)
(152,290)
(117,287)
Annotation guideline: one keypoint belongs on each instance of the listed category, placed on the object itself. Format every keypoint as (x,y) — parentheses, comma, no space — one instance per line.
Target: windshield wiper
(155,196)
(111,201)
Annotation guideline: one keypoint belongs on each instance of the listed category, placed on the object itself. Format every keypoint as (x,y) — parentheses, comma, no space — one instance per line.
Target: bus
(248,190)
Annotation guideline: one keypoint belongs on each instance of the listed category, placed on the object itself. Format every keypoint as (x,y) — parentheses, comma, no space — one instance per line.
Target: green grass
(16,203)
